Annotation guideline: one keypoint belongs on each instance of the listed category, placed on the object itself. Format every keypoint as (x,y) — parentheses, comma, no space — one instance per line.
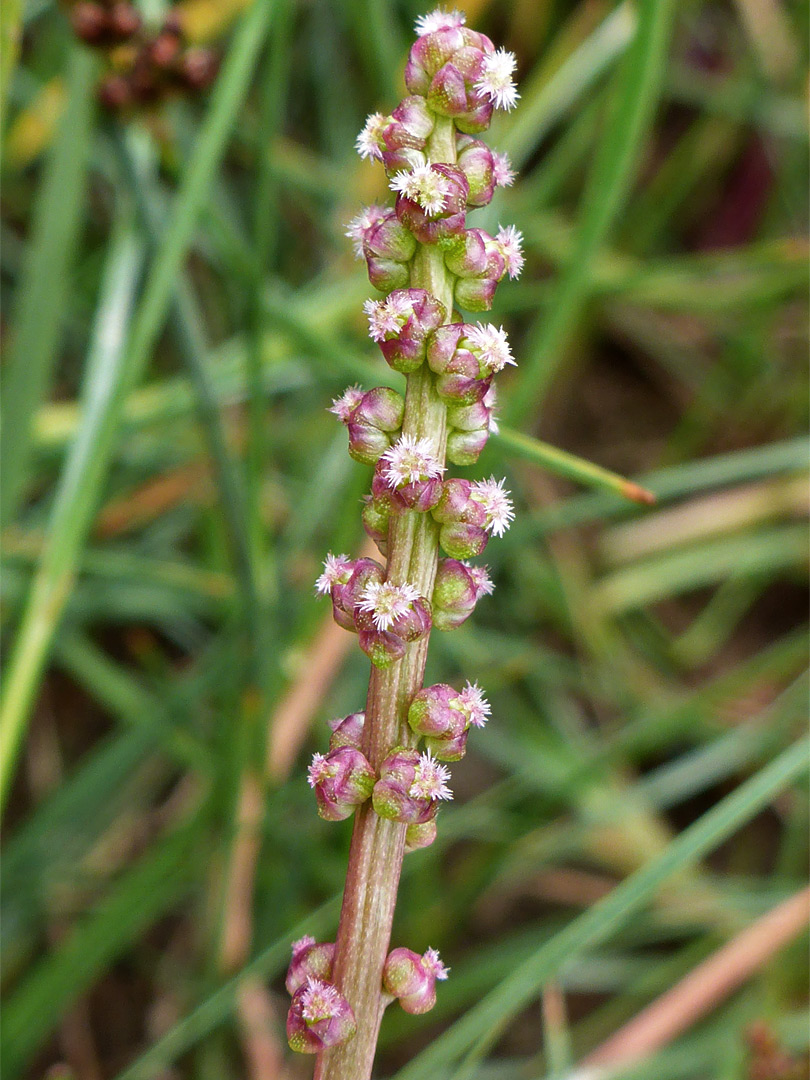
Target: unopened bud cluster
(456,79)
(144,66)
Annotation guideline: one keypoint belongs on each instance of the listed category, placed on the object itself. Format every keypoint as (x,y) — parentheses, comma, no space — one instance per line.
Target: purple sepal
(345,597)
(347,731)
(466,255)
(310,960)
(374,424)
(462,540)
(388,248)
(393,796)
(473,416)
(319,1017)
(432,51)
(342,780)
(432,714)
(405,135)
(405,350)
(381,646)
(457,504)
(419,495)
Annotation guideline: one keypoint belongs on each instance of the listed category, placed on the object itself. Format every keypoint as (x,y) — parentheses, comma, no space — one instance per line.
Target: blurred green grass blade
(608,183)
(563,463)
(765,552)
(87,467)
(42,294)
(145,893)
(72,510)
(546,99)
(217,1008)
(482,1025)
(10,33)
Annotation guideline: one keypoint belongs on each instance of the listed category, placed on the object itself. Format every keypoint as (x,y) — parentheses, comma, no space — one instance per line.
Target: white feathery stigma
(509,241)
(484,585)
(357,228)
(496,503)
(387,602)
(336,569)
(344,405)
(320,769)
(473,704)
(408,460)
(430,779)
(495,82)
(502,172)
(491,345)
(439,20)
(319,1001)
(432,963)
(425,186)
(368,142)
(387,317)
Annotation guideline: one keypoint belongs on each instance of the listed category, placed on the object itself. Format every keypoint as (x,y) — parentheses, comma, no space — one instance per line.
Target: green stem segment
(378,845)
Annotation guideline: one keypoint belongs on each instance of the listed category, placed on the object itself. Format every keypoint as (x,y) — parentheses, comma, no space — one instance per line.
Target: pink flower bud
(432,201)
(458,505)
(367,444)
(342,780)
(346,596)
(401,324)
(420,836)
(454,594)
(347,731)
(466,255)
(405,135)
(434,715)
(472,417)
(410,787)
(388,247)
(476,293)
(376,515)
(409,474)
(462,540)
(310,960)
(362,225)
(447,66)
(319,1017)
(381,646)
(371,419)
(475,159)
(412,978)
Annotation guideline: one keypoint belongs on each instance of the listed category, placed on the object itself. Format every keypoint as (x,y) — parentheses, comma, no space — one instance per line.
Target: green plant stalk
(378,844)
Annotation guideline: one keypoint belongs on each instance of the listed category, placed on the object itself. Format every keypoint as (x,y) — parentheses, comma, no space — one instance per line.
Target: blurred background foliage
(180,306)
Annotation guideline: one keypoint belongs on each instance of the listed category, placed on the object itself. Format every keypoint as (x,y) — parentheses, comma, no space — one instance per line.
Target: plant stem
(378,845)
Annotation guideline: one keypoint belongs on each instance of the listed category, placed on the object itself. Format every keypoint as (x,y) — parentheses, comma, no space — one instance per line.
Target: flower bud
(388,247)
(412,978)
(346,596)
(457,503)
(433,714)
(371,418)
(432,201)
(446,66)
(319,1017)
(464,447)
(463,540)
(342,780)
(408,475)
(405,135)
(347,731)
(466,255)
(420,835)
(381,646)
(475,159)
(401,324)
(387,616)
(410,787)
(310,960)
(454,594)
(472,417)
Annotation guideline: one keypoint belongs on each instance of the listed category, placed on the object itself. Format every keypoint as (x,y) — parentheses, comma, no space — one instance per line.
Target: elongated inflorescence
(428,526)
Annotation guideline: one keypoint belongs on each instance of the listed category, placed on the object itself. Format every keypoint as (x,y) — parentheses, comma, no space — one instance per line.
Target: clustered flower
(144,66)
(452,72)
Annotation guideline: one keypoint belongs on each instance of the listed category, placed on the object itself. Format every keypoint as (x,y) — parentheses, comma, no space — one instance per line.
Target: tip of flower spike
(319,770)
(387,602)
(432,963)
(410,460)
(335,569)
(439,20)
(319,1001)
(423,185)
(491,345)
(474,705)
(496,503)
(387,317)
(342,406)
(495,83)
(510,244)
(368,142)
(430,779)
(503,174)
(360,224)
